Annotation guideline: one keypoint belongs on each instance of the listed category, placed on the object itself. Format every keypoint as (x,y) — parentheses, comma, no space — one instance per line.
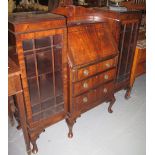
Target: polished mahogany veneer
(71,60)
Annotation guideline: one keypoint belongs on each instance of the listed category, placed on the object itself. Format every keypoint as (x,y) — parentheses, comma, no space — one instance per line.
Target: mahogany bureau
(92,62)
(40,41)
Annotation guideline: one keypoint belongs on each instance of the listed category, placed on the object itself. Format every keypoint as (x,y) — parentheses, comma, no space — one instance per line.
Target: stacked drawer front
(93,83)
(89,99)
(89,83)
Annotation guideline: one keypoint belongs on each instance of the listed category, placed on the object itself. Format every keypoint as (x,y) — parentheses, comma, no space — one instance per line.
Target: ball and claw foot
(110,110)
(34,150)
(70,134)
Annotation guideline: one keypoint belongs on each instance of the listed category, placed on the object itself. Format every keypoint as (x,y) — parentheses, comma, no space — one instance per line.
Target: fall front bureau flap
(90,42)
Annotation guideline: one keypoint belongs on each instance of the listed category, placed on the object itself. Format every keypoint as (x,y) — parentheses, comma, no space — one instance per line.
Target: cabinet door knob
(107,65)
(106,77)
(85,85)
(85,100)
(105,90)
(85,72)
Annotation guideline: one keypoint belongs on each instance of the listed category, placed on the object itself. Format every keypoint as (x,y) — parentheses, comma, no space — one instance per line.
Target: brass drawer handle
(85,72)
(105,90)
(85,85)
(107,65)
(85,100)
(106,77)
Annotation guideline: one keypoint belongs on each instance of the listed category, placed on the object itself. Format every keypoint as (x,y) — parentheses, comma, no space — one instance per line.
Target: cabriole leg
(128,93)
(70,123)
(35,148)
(112,101)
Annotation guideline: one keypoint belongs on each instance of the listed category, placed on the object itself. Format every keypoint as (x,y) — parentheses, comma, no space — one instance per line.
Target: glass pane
(36,108)
(37,117)
(27,45)
(46,94)
(57,59)
(59,108)
(58,71)
(48,104)
(33,89)
(125,47)
(57,40)
(59,99)
(132,48)
(46,86)
(44,61)
(43,106)
(42,42)
(30,64)
(58,83)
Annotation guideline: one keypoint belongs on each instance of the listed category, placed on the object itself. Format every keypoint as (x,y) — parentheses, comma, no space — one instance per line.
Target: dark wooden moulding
(41,48)
(92,61)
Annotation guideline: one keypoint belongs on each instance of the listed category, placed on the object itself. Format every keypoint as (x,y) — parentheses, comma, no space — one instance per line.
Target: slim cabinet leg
(10,112)
(16,113)
(112,101)
(35,148)
(29,152)
(70,123)
(20,102)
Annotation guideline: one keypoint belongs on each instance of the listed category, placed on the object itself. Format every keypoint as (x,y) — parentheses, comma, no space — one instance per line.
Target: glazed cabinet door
(127,44)
(43,62)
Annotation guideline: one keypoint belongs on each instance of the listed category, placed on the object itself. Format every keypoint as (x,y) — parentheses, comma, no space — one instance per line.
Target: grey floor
(97,132)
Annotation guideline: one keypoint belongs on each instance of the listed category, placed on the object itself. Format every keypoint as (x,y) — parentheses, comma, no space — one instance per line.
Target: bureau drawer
(96,68)
(104,90)
(104,65)
(91,98)
(85,85)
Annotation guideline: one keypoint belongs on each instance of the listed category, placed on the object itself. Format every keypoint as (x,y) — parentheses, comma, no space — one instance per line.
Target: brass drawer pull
(85,100)
(105,90)
(85,72)
(107,65)
(106,77)
(85,85)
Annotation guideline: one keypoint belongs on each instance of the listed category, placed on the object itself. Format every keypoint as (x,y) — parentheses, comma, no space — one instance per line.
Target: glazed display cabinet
(40,41)
(124,26)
